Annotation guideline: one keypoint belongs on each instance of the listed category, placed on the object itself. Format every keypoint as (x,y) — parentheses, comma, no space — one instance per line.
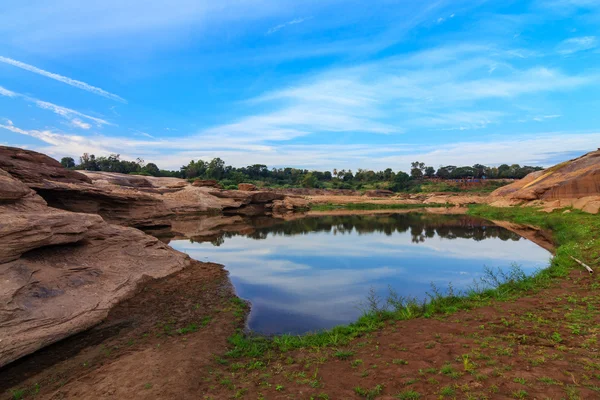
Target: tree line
(228,175)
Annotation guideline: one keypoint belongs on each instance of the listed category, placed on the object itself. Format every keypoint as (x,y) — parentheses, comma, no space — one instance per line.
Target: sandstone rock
(54,292)
(247,187)
(20,233)
(290,204)
(36,170)
(126,180)
(566,183)
(10,188)
(206,183)
(455,200)
(379,193)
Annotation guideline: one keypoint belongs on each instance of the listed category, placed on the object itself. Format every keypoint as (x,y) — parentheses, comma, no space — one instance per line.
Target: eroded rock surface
(573,183)
(61,272)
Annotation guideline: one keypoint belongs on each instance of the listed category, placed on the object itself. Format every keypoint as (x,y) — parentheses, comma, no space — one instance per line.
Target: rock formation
(61,271)
(247,187)
(574,183)
(66,254)
(128,200)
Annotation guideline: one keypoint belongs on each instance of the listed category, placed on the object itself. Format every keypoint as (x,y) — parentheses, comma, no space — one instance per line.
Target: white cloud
(80,124)
(63,79)
(7,93)
(67,112)
(281,26)
(578,44)
(439,87)
(521,149)
(64,112)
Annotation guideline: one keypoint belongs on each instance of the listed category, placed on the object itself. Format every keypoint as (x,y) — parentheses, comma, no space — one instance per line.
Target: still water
(315,273)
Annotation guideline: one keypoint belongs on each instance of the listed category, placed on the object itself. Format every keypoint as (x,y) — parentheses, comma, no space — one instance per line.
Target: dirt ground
(543,346)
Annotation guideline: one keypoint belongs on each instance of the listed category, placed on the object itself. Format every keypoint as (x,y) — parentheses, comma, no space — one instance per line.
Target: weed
(356,363)
(447,391)
(520,394)
(369,394)
(408,395)
(344,354)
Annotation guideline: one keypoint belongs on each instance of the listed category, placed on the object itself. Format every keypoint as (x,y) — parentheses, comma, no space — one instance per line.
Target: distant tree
(416,170)
(479,171)
(309,180)
(151,169)
(429,172)
(401,181)
(348,176)
(68,162)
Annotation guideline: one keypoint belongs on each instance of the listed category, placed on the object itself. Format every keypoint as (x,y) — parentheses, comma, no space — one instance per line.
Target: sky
(315,84)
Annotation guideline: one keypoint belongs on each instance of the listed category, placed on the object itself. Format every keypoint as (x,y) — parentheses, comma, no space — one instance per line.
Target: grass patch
(371,206)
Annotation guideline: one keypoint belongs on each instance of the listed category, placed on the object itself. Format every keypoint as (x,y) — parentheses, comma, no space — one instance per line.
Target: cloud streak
(575,45)
(64,112)
(285,24)
(69,81)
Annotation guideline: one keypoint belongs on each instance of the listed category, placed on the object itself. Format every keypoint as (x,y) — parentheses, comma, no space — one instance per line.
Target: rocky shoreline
(70,251)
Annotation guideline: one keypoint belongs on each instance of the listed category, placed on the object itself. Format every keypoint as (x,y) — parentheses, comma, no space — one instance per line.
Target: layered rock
(247,187)
(379,193)
(129,200)
(573,183)
(62,272)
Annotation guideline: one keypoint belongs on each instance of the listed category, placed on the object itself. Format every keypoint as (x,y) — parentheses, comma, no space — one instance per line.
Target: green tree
(68,162)
(151,169)
(309,180)
(416,169)
(429,172)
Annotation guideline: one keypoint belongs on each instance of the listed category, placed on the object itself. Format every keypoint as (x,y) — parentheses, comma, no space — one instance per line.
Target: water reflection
(313,273)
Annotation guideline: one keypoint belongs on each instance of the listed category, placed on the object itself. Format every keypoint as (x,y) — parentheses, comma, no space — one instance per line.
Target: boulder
(290,204)
(247,187)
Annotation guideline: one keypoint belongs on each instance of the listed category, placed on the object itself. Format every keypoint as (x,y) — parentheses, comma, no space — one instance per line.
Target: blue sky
(314,84)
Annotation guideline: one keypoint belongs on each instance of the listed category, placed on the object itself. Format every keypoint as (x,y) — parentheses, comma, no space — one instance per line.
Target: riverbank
(510,342)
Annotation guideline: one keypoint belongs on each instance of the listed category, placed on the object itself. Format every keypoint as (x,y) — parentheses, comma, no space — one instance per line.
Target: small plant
(147,386)
(369,394)
(279,388)
(408,395)
(556,337)
(344,354)
(399,361)
(467,364)
(188,329)
(447,391)
(520,394)
(356,363)
(17,394)
(522,381)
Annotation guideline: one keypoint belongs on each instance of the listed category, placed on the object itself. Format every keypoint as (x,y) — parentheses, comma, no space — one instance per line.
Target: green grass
(576,234)
(371,206)
(408,395)
(369,394)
